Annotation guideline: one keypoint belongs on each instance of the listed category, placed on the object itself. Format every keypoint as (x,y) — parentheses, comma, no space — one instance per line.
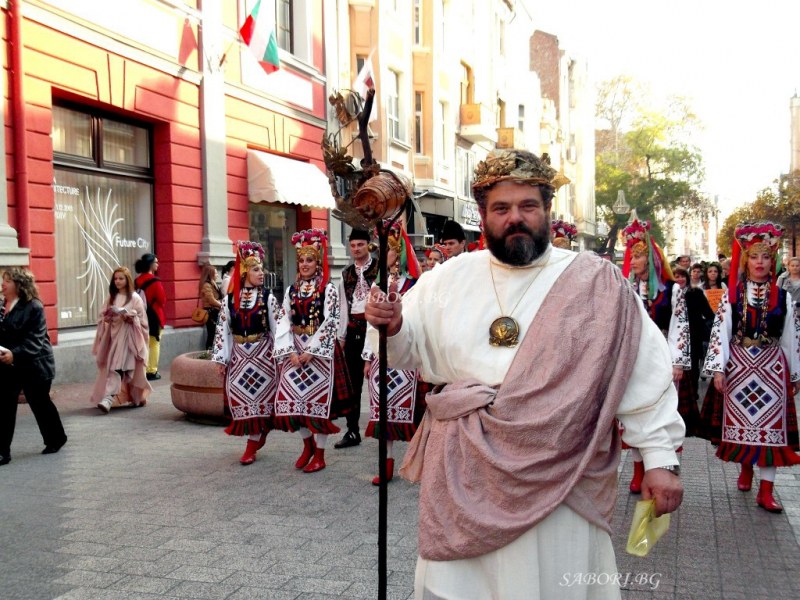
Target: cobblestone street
(143,504)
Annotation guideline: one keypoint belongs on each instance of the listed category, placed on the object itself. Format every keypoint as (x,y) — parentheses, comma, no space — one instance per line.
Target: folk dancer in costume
(353,291)
(754,355)
(435,256)
(454,239)
(244,343)
(652,279)
(314,387)
(563,234)
(120,347)
(406,392)
(519,450)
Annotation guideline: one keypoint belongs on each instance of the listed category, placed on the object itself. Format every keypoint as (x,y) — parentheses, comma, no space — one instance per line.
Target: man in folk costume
(754,355)
(314,387)
(406,392)
(519,450)
(243,343)
(353,291)
(652,279)
(563,234)
(453,239)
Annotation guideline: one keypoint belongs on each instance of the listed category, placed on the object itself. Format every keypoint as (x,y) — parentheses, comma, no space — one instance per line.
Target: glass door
(272,226)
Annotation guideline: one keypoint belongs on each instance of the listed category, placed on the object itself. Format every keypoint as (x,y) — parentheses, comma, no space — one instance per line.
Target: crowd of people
(513,452)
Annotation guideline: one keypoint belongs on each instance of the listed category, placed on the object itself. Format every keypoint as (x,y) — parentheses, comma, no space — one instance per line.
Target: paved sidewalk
(143,504)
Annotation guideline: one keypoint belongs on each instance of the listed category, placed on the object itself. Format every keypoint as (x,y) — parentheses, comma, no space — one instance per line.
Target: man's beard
(520,250)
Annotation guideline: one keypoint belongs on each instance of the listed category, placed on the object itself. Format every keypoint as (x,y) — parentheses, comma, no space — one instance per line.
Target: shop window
(103,204)
(272,227)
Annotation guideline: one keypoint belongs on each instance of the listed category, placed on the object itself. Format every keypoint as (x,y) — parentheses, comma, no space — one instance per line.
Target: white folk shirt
(360,295)
(445,334)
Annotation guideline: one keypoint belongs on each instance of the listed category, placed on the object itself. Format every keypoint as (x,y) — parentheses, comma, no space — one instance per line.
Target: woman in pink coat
(120,346)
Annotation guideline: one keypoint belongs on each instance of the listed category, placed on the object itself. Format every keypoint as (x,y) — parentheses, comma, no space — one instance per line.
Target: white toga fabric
(445,334)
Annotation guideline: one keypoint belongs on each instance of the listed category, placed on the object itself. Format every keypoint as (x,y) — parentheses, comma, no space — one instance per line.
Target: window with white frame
(521,117)
(465,165)
(393,106)
(284,24)
(418,123)
(443,131)
(103,206)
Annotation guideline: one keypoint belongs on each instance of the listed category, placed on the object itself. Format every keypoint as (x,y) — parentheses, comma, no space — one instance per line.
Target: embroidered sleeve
(223,338)
(790,340)
(327,332)
(273,313)
(720,340)
(344,311)
(284,338)
(367,353)
(678,336)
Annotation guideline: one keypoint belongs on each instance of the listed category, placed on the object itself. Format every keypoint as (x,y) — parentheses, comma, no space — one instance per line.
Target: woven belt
(248,339)
(757,342)
(303,330)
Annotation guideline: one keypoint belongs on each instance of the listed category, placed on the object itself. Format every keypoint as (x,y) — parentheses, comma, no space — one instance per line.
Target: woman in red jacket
(153,289)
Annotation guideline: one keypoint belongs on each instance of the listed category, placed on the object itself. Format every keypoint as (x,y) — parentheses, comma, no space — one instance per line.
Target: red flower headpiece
(638,240)
(314,242)
(561,228)
(637,231)
(247,254)
(763,236)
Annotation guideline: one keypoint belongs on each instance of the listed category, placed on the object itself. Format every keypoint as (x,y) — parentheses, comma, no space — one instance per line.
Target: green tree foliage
(778,204)
(644,151)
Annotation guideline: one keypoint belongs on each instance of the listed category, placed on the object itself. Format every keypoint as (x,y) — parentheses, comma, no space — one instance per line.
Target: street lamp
(621,206)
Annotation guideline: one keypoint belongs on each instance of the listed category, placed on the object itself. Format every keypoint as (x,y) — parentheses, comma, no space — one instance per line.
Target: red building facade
(149,131)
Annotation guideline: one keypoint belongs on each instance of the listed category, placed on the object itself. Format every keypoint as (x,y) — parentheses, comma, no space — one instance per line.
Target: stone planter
(196,388)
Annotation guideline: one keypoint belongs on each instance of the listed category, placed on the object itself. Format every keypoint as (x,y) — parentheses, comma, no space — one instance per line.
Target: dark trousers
(37,393)
(353,347)
(211,327)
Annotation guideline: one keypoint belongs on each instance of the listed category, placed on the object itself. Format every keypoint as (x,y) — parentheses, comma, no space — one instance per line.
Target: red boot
(745,478)
(318,462)
(638,475)
(389,472)
(309,447)
(765,499)
(249,456)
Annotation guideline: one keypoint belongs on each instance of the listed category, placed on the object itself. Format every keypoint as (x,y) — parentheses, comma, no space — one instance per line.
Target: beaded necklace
(301,292)
(761,312)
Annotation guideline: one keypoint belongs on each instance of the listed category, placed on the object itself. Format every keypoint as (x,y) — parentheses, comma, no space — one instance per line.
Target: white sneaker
(105,405)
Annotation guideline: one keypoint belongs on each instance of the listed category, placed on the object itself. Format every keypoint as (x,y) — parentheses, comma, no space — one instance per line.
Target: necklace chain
(497,296)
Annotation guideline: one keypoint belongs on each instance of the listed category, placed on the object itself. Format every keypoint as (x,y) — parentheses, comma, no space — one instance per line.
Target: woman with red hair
(649,272)
(754,355)
(314,387)
(406,392)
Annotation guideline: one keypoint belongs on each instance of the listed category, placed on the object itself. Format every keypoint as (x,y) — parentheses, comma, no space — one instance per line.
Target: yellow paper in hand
(646,528)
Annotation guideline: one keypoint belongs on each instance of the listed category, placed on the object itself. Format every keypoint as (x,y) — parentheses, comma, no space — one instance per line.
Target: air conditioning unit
(427,241)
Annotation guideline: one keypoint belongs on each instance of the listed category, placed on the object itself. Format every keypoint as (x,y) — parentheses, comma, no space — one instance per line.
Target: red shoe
(765,499)
(308,452)
(745,478)
(638,474)
(263,440)
(318,463)
(249,456)
(389,472)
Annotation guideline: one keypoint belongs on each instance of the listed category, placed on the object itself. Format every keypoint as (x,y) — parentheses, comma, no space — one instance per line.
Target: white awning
(468,227)
(273,178)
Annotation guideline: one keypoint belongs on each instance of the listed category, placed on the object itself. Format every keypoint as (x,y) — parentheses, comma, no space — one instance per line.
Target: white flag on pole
(365,80)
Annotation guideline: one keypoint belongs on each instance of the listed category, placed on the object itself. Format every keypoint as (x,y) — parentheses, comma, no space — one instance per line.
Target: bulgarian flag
(258,32)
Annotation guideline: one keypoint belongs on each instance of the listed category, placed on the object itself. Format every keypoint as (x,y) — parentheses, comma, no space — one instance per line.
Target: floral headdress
(399,241)
(755,237)
(248,254)
(514,165)
(563,233)
(638,241)
(314,243)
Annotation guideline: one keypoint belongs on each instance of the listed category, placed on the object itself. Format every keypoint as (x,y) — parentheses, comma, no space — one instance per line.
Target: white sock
(636,455)
(767,473)
(322,439)
(389,446)
(304,433)
(256,437)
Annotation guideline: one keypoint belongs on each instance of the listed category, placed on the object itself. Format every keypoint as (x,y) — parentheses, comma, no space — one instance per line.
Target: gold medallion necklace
(504,330)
